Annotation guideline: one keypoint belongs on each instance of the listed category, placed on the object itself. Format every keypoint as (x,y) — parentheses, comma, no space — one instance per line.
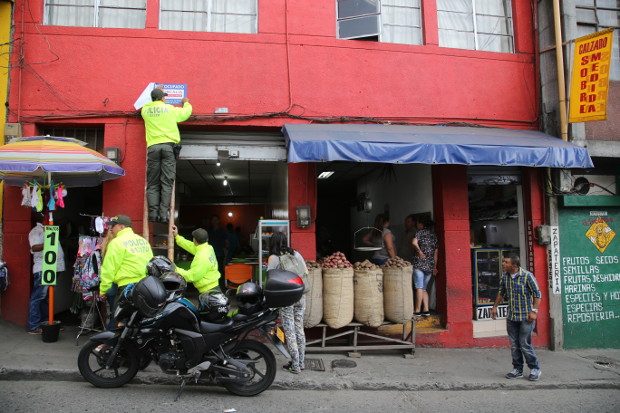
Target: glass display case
(487,272)
(260,242)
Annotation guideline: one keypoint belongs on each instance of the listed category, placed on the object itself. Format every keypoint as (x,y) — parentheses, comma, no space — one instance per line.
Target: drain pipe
(559,57)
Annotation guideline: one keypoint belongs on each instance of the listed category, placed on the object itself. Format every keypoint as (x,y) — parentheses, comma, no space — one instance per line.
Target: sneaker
(426,313)
(294,371)
(514,374)
(36,331)
(535,374)
(417,314)
(290,364)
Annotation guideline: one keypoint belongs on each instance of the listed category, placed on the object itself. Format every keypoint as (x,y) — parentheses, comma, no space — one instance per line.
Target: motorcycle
(158,325)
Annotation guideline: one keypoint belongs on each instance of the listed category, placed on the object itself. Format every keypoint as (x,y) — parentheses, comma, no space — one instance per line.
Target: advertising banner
(590,78)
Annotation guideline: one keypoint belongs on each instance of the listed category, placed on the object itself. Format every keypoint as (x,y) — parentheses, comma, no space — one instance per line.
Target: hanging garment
(26,196)
(99,225)
(34,197)
(60,193)
(39,206)
(51,205)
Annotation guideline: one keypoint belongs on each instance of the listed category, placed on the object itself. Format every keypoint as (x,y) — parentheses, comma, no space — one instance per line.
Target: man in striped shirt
(521,290)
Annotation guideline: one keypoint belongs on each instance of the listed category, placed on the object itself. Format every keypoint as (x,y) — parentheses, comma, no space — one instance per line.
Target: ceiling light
(218,163)
(230,214)
(225,181)
(326,174)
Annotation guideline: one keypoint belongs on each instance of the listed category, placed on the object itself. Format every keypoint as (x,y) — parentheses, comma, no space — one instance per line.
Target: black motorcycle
(156,324)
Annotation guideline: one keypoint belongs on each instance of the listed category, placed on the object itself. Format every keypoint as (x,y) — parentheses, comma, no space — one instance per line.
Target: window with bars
(389,21)
(92,136)
(129,14)
(596,15)
(224,16)
(476,25)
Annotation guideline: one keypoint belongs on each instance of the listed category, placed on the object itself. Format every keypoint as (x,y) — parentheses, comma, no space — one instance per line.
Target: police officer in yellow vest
(203,271)
(126,256)
(163,143)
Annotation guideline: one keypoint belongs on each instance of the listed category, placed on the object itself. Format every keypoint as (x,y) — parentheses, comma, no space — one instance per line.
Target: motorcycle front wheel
(262,365)
(92,360)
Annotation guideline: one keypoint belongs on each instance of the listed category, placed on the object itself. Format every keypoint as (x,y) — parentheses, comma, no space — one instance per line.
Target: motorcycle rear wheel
(263,368)
(92,360)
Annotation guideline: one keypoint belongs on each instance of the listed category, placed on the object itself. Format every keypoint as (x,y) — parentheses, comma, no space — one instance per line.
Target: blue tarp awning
(431,145)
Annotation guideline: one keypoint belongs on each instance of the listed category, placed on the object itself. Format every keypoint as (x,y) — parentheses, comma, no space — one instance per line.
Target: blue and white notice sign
(176,92)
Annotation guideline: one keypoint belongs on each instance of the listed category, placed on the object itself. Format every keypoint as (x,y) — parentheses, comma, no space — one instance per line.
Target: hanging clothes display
(86,267)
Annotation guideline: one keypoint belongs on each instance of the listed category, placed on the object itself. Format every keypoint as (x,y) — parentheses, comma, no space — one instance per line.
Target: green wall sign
(590,276)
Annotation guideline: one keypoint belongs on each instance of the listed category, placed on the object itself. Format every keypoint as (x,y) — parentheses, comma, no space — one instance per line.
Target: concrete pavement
(27,357)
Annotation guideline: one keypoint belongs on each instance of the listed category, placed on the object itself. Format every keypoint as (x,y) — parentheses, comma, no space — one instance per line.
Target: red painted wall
(294,67)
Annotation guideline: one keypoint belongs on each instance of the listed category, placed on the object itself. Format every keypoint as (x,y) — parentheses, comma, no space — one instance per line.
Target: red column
(16,254)
(454,280)
(302,191)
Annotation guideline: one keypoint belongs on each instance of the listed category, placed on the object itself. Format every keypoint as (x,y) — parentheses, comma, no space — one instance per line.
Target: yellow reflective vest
(125,260)
(160,121)
(203,271)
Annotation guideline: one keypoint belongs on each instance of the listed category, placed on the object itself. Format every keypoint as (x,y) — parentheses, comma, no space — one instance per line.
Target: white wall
(408,191)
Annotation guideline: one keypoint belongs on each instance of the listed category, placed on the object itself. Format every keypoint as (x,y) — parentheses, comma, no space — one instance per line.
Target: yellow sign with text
(590,79)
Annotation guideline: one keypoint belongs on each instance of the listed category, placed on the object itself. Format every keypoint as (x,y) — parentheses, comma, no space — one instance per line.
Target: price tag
(50,255)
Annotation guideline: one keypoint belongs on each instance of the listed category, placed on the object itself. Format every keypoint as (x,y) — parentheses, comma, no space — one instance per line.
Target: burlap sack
(368,297)
(398,294)
(337,296)
(314,299)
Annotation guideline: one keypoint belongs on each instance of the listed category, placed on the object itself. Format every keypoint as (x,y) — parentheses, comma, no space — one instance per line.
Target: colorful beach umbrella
(65,160)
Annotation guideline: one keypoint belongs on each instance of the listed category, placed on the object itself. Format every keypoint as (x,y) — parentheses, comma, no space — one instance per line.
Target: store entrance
(226,182)
(496,230)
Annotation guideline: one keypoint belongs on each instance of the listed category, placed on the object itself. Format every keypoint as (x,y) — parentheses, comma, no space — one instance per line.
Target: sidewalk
(27,357)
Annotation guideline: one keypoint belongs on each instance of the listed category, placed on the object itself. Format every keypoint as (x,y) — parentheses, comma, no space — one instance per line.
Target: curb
(74,376)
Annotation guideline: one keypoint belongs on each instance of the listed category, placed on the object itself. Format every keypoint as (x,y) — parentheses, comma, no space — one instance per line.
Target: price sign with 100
(50,255)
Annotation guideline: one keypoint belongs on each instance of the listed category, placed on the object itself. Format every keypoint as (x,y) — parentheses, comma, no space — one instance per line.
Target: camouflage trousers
(293,326)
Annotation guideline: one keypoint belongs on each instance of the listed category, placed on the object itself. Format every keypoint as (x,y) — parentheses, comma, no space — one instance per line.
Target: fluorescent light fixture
(326,174)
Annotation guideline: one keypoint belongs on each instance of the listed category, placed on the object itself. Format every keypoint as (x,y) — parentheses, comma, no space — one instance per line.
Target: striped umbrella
(65,160)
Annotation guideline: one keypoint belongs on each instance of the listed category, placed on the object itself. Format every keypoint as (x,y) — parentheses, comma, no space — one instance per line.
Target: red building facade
(293,69)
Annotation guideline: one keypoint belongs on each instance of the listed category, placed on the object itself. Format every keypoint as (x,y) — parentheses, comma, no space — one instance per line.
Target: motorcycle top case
(282,289)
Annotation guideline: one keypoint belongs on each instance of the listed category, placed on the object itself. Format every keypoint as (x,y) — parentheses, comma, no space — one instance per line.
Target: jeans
(39,307)
(421,278)
(520,335)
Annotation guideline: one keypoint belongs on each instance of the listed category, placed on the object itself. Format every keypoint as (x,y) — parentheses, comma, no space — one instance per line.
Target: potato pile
(396,262)
(365,265)
(336,260)
(312,264)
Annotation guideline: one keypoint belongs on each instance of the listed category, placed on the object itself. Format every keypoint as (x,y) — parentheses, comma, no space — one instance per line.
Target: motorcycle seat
(206,327)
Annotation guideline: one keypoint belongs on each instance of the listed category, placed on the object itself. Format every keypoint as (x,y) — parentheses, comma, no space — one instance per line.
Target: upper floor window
(596,15)
(129,14)
(476,25)
(226,16)
(389,21)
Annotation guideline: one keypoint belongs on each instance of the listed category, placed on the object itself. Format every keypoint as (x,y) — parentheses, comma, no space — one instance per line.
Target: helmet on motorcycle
(213,306)
(249,298)
(175,285)
(149,296)
(158,266)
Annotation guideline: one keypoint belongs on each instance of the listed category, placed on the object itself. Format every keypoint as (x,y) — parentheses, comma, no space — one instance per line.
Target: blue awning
(431,145)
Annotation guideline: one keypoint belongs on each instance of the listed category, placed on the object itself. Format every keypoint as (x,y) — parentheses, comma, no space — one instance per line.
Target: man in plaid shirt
(521,289)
